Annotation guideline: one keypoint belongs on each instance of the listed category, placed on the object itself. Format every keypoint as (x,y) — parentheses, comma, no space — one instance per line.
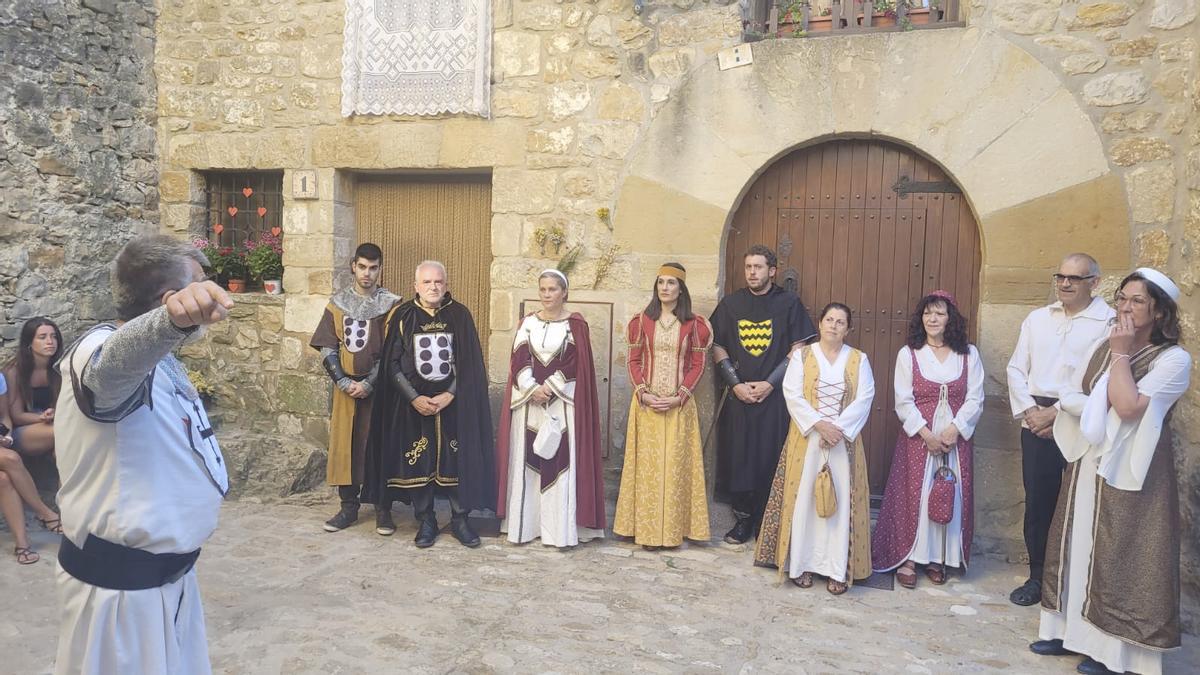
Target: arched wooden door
(871,224)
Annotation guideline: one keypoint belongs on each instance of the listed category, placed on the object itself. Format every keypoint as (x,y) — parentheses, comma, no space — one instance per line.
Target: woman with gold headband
(548,456)
(662,498)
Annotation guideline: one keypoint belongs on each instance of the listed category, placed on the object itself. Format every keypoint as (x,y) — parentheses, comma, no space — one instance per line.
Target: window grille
(242,205)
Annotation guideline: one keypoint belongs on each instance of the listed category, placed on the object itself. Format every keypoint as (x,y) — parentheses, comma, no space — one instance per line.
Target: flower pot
(273,286)
(237,285)
(879,20)
(920,16)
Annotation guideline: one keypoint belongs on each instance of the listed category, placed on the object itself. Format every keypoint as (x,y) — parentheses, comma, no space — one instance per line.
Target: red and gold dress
(662,498)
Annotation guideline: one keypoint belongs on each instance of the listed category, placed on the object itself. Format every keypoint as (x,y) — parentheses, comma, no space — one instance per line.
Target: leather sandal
(906,575)
(805,580)
(936,573)
(835,587)
(26,555)
(52,524)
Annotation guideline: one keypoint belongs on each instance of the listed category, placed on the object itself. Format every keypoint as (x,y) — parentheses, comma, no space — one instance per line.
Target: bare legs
(14,513)
(35,439)
(17,478)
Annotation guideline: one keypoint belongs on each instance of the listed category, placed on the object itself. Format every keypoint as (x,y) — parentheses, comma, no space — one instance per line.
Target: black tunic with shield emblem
(437,351)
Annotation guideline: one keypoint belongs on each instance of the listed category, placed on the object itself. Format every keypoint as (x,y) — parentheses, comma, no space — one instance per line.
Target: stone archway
(872,224)
(1024,152)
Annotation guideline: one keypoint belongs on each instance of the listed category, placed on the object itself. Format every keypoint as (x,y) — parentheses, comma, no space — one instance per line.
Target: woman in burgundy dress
(939,399)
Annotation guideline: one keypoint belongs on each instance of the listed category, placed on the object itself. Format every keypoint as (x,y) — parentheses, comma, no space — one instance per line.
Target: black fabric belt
(120,568)
(1044,401)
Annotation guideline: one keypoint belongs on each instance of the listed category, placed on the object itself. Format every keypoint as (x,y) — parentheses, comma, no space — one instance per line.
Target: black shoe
(461,529)
(344,518)
(384,525)
(1030,593)
(427,533)
(741,532)
(1049,648)
(1090,666)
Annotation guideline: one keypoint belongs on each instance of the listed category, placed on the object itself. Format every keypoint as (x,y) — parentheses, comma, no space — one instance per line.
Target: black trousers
(422,500)
(1042,466)
(349,495)
(750,504)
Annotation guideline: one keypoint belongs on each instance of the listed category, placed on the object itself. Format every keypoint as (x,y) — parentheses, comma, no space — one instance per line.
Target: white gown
(534,513)
(822,545)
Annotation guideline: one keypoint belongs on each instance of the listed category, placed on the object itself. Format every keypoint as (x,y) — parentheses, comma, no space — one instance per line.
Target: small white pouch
(545,444)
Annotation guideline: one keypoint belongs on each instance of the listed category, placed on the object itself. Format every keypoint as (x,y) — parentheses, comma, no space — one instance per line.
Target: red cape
(589,465)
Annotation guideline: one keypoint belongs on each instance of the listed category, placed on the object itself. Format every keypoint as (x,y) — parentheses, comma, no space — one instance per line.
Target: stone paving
(282,596)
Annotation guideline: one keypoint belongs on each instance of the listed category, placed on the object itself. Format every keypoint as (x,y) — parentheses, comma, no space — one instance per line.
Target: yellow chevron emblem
(755,336)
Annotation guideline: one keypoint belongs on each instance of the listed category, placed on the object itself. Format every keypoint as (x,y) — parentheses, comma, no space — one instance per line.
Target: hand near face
(1120,340)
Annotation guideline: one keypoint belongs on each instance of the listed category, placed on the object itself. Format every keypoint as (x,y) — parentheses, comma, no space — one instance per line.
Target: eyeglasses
(1070,278)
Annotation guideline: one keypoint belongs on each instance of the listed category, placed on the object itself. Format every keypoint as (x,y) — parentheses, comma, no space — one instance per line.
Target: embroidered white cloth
(417,57)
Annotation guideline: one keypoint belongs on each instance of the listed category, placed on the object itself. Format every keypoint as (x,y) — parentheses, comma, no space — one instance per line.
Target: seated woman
(939,400)
(662,498)
(35,384)
(551,489)
(829,387)
(1111,586)
(16,486)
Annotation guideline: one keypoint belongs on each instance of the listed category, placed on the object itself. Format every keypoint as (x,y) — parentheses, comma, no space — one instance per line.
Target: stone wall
(269,398)
(1072,124)
(78,168)
(1136,68)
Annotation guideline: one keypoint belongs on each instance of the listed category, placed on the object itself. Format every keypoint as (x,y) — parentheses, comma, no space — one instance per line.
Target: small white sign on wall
(734,57)
(304,184)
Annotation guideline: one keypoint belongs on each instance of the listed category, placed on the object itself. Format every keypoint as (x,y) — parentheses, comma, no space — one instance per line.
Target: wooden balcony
(790,18)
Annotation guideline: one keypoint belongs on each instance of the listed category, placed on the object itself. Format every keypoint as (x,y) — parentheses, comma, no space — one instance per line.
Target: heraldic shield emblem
(755,336)
(434,355)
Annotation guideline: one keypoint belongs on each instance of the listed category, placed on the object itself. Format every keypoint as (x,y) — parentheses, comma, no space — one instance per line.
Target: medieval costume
(934,394)
(1111,585)
(430,351)
(555,492)
(662,498)
(757,331)
(794,537)
(142,485)
(350,338)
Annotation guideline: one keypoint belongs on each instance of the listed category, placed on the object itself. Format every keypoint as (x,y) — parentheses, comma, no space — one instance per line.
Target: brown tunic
(1133,584)
(359,344)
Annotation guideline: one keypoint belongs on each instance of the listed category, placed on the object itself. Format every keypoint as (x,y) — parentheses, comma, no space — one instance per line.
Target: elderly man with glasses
(1055,341)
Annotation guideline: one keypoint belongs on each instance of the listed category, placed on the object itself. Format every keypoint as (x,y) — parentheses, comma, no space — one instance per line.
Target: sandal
(26,555)
(936,573)
(835,587)
(805,580)
(906,575)
(51,524)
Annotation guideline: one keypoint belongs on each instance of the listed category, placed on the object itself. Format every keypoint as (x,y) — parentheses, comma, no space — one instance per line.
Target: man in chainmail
(350,338)
(142,475)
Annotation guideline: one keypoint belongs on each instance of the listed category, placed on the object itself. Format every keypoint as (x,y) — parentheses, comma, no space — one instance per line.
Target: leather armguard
(729,374)
(776,376)
(334,367)
(404,386)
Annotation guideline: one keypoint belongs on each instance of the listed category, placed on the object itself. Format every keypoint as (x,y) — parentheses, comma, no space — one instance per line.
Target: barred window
(242,205)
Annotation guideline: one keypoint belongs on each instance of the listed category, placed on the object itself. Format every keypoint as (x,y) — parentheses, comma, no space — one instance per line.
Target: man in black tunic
(431,430)
(754,332)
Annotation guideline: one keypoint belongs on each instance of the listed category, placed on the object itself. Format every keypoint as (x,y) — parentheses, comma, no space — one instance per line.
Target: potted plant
(264,258)
(883,14)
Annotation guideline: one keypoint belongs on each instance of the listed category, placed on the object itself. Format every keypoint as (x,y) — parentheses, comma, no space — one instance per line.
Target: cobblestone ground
(281,596)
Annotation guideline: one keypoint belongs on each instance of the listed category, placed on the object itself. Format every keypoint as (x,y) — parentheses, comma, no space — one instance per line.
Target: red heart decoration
(218,228)
(232,211)
(262,211)
(247,191)
(275,231)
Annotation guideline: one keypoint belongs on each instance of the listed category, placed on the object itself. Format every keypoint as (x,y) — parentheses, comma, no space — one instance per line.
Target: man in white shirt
(142,475)
(1055,341)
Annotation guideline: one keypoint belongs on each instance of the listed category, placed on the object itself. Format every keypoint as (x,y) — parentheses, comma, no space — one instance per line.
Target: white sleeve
(1019,396)
(854,417)
(906,405)
(802,412)
(972,408)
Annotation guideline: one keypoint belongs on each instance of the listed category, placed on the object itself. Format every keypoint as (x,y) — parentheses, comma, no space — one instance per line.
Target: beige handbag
(824,492)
